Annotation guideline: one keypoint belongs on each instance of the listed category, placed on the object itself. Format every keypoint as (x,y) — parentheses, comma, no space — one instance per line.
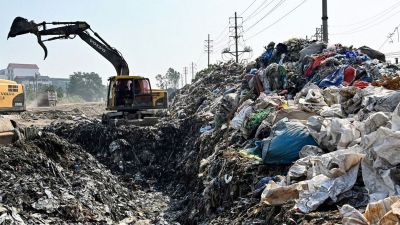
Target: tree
(161,81)
(86,85)
(172,77)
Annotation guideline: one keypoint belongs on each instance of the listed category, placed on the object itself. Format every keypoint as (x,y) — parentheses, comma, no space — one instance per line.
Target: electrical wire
(260,10)
(366,27)
(267,14)
(222,32)
(248,7)
(256,10)
(372,18)
(278,20)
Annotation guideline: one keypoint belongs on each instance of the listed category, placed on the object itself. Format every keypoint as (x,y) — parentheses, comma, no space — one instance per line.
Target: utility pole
(318,34)
(185,71)
(181,78)
(236,36)
(325,21)
(193,71)
(236,40)
(208,45)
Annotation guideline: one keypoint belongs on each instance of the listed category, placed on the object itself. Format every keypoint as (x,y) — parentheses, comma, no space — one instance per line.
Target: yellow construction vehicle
(12,97)
(129,97)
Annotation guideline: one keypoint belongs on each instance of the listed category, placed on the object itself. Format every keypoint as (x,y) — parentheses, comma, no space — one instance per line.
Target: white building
(26,74)
(15,70)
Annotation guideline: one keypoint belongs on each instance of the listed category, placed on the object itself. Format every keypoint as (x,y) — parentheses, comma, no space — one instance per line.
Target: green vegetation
(169,80)
(88,86)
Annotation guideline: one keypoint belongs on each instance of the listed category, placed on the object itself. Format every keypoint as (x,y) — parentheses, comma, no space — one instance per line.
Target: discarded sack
(286,140)
(238,120)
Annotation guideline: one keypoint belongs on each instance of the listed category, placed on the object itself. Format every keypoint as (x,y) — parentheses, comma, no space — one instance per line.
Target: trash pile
(336,121)
(47,180)
(74,114)
(288,139)
(206,93)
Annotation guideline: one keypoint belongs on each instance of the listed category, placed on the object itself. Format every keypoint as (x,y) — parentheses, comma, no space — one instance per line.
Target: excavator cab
(131,97)
(129,93)
(134,93)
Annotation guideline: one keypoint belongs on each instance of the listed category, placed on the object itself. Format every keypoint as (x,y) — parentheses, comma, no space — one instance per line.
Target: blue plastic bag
(266,56)
(351,54)
(334,79)
(286,140)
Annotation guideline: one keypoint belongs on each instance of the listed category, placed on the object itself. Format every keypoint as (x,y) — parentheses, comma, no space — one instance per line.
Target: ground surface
(43,116)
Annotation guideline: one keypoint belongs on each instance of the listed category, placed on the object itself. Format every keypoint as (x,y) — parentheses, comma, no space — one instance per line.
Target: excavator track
(141,118)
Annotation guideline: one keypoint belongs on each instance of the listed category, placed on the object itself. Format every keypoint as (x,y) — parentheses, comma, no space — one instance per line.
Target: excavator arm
(68,30)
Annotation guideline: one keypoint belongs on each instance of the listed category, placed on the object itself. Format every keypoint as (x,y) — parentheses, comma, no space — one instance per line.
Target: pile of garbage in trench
(307,134)
(47,180)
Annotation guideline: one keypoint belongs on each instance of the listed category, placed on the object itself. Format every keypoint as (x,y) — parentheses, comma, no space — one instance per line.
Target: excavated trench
(165,157)
(169,158)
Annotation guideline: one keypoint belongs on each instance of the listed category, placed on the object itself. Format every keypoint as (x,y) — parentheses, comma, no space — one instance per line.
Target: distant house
(26,74)
(15,70)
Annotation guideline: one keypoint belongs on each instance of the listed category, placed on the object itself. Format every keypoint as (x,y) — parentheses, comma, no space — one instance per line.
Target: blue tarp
(286,140)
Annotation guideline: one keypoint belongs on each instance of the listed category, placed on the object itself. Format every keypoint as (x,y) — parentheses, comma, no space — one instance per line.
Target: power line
(222,46)
(257,9)
(269,12)
(200,56)
(223,39)
(260,11)
(222,32)
(367,20)
(365,27)
(248,7)
(277,21)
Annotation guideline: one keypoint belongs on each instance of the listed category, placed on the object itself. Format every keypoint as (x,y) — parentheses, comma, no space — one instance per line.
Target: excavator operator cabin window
(145,86)
(136,87)
(12,88)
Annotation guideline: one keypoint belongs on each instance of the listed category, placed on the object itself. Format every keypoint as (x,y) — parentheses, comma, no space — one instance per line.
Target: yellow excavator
(12,100)
(128,97)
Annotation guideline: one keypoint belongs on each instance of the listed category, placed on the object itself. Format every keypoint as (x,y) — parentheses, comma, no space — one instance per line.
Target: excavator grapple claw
(23,26)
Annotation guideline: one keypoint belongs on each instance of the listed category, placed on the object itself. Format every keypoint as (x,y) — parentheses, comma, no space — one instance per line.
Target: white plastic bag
(238,120)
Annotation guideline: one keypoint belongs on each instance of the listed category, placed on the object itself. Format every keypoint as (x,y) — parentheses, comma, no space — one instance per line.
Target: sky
(154,35)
